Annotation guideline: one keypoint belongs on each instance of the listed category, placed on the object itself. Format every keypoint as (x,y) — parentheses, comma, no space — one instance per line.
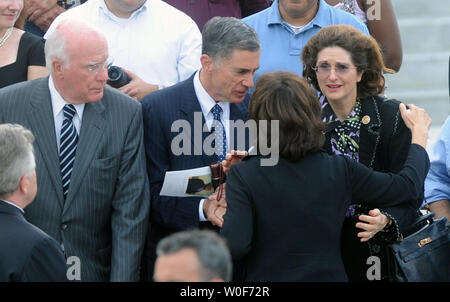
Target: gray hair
(16,156)
(56,43)
(55,48)
(211,250)
(222,35)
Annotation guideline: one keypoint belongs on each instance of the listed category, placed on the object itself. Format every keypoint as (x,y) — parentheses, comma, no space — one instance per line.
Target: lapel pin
(366,119)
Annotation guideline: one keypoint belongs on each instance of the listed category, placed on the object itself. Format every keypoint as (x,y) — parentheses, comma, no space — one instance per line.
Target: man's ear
(207,63)
(24,184)
(57,68)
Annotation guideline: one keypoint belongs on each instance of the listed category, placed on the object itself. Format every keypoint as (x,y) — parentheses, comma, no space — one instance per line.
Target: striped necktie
(68,146)
(219,130)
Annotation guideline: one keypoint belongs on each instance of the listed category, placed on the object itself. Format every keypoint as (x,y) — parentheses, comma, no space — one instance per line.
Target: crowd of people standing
(84,176)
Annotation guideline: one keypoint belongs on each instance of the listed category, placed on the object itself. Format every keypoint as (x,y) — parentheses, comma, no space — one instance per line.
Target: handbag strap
(427,217)
(419,223)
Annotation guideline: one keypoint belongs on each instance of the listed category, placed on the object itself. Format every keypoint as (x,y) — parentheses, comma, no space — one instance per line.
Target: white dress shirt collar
(207,102)
(58,102)
(58,116)
(13,205)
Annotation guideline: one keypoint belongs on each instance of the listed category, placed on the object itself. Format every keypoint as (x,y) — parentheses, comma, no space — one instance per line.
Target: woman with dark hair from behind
(347,67)
(284,221)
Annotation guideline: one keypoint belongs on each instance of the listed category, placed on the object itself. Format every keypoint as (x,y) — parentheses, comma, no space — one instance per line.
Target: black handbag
(424,255)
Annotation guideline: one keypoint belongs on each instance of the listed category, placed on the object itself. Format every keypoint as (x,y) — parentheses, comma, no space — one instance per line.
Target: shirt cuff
(201,216)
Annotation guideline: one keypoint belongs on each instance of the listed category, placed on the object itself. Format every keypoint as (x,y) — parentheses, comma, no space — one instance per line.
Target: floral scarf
(344,135)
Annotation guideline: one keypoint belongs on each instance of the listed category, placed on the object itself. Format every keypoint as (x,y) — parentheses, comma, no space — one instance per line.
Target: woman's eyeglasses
(325,69)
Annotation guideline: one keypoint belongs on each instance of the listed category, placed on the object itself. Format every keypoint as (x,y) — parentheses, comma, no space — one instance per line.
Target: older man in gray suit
(93,190)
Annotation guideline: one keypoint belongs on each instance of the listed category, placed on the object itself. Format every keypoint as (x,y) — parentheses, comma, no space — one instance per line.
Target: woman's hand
(418,121)
(232,158)
(375,222)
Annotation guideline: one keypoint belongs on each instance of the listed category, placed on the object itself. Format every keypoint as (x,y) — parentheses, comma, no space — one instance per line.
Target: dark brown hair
(364,50)
(286,97)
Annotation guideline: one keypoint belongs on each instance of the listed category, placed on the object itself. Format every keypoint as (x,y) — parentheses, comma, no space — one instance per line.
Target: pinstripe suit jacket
(160,110)
(104,218)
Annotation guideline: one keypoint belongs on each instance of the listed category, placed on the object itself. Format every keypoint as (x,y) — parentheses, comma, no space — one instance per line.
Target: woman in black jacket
(347,67)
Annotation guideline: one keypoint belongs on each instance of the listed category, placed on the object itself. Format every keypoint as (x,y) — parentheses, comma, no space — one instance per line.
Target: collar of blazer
(7,208)
(369,131)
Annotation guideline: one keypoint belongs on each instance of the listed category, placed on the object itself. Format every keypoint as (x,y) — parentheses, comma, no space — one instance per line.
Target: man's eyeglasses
(340,69)
(94,68)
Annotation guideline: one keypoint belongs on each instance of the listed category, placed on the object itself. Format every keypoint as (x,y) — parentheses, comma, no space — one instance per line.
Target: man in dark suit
(27,254)
(230,57)
(93,187)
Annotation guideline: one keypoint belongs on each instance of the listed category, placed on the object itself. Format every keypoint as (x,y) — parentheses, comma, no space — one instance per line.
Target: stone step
(423,77)
(435,102)
(421,72)
(425,34)
(420,8)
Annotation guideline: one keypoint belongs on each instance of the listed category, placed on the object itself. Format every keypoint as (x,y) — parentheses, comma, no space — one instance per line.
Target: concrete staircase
(423,77)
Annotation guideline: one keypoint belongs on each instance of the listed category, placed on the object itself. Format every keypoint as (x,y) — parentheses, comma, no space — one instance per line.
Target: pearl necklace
(5,36)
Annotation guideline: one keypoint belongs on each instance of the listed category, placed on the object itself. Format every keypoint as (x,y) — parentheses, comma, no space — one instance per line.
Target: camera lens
(113,74)
(116,77)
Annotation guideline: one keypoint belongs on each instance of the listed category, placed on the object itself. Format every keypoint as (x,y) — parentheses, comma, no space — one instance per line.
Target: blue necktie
(219,130)
(68,146)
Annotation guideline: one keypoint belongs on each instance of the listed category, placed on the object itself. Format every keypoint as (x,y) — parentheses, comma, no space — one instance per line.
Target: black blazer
(27,254)
(383,146)
(160,110)
(285,221)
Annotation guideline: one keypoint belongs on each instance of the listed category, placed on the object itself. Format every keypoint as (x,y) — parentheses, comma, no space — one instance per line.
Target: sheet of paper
(188,183)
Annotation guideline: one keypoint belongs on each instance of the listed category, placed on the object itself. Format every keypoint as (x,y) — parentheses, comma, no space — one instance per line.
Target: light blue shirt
(281,47)
(437,183)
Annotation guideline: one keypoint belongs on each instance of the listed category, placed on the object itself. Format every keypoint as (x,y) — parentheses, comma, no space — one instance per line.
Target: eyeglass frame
(336,69)
(94,68)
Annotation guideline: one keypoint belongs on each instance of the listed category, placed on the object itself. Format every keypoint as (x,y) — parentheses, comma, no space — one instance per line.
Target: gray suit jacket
(104,219)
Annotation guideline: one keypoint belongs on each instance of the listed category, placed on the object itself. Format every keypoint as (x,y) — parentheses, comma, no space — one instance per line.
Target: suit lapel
(189,106)
(42,123)
(92,128)
(370,131)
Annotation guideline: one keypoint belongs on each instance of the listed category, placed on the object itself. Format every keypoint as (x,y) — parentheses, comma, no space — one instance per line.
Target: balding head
(67,36)
(76,55)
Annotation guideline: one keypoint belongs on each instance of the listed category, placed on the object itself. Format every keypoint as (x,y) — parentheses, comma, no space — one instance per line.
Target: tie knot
(69,111)
(216,111)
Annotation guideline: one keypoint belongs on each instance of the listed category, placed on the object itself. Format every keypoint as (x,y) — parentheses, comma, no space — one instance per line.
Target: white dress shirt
(207,103)
(58,115)
(158,43)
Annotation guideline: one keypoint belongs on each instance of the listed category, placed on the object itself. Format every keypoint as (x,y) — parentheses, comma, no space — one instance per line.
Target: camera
(116,77)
